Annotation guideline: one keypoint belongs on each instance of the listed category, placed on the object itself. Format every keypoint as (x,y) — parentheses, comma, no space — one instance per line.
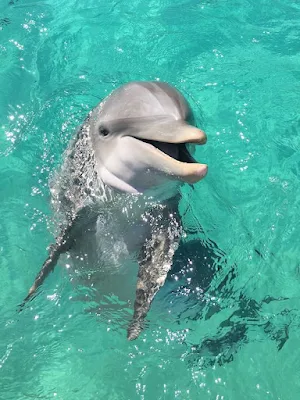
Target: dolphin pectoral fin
(63,243)
(151,278)
(152,274)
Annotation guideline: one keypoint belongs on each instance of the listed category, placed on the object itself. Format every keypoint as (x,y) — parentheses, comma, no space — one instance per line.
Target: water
(229,328)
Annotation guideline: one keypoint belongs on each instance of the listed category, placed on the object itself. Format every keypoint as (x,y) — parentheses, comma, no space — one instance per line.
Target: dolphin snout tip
(200,136)
(203,169)
(195,172)
(201,172)
(203,139)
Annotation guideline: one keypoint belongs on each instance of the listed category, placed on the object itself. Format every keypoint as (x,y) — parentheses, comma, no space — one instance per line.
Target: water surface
(226,325)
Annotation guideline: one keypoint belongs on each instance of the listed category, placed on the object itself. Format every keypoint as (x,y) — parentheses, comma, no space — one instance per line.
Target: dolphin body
(116,192)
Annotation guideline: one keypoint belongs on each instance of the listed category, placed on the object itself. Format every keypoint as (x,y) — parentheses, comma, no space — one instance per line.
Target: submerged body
(116,192)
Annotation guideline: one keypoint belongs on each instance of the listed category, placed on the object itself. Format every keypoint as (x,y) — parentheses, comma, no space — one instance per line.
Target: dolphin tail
(153,270)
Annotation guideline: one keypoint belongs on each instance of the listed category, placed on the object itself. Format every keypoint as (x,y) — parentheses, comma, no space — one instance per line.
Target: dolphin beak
(185,133)
(175,133)
(184,171)
(172,132)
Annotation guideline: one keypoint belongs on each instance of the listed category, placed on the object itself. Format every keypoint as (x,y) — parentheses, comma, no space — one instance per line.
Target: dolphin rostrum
(118,187)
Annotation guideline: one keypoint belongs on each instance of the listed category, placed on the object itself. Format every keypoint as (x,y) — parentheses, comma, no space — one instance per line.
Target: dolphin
(117,191)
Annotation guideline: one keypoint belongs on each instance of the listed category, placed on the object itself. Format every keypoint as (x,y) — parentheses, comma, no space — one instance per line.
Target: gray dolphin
(118,187)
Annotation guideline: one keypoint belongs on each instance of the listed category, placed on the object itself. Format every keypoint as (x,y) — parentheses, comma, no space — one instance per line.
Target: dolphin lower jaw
(173,160)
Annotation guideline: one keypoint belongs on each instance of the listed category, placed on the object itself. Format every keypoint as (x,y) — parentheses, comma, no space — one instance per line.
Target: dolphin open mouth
(178,151)
(167,149)
(174,160)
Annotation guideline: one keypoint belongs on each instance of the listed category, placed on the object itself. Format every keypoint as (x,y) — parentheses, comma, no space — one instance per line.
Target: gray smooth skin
(117,190)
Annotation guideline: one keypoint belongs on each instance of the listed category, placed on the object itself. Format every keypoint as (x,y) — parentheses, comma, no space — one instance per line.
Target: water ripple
(225,326)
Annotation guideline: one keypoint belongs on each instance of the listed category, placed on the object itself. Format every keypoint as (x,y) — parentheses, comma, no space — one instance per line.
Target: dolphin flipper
(156,262)
(62,244)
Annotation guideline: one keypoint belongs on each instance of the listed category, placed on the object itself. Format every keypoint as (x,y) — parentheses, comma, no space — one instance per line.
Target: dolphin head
(139,135)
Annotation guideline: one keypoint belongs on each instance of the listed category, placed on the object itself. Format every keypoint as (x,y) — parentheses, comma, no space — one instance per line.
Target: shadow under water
(198,268)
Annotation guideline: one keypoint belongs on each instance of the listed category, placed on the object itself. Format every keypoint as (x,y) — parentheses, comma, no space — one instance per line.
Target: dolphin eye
(103,131)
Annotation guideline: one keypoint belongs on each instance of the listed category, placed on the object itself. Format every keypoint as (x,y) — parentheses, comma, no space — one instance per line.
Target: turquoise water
(228,328)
